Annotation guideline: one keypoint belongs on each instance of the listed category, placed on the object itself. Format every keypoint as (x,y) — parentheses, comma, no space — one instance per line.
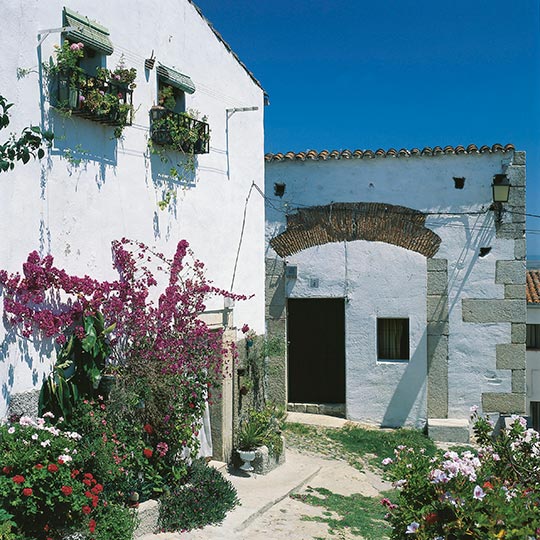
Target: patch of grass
(355,444)
(363,516)
(376,444)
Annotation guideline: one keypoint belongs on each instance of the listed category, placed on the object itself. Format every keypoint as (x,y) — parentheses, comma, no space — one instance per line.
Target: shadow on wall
(412,384)
(79,142)
(172,173)
(484,238)
(39,357)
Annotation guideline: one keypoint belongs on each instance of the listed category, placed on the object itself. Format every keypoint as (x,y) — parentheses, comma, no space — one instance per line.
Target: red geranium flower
(74,473)
(432,517)
(86,509)
(148,453)
(52,467)
(488,485)
(92,525)
(18,479)
(7,469)
(95,500)
(98,488)
(88,475)
(148,428)
(67,490)
(87,482)
(27,492)
(38,466)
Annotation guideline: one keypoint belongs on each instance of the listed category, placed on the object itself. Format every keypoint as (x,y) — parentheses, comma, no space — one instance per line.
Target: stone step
(455,430)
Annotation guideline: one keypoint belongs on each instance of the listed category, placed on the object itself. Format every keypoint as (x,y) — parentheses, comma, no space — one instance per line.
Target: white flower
(387,461)
(35,437)
(26,421)
(48,414)
(412,528)
(11,430)
(65,458)
(46,443)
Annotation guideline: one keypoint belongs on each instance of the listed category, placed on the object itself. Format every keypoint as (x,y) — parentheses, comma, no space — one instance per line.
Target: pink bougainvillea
(48,300)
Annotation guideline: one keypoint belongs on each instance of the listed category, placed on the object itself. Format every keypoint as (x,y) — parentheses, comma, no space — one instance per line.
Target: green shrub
(203,498)
(115,522)
(263,427)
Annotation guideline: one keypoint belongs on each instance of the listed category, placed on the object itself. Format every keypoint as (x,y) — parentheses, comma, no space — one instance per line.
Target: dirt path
(287,518)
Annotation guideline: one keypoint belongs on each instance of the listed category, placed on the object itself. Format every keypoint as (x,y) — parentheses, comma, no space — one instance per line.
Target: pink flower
(245,329)
(478,493)
(412,528)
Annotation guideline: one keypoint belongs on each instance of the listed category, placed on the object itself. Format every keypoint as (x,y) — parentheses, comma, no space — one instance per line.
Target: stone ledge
(449,430)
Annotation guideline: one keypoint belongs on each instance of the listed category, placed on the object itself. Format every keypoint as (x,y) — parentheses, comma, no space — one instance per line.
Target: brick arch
(339,222)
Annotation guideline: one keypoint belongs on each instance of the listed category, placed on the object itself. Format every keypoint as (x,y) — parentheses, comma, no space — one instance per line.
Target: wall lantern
(501,193)
(501,188)
(279,189)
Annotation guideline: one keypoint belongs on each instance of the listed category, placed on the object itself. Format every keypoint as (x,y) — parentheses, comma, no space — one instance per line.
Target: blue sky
(394,74)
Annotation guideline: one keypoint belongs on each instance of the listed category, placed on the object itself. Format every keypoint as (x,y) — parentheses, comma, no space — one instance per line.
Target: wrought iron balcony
(179,131)
(93,98)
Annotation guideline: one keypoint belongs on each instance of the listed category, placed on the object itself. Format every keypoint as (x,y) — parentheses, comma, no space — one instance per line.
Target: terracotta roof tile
(392,152)
(533,287)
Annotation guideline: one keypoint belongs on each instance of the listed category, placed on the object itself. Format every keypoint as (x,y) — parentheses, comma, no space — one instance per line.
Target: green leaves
(29,144)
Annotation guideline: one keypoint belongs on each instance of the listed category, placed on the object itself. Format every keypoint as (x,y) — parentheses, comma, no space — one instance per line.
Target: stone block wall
(276,330)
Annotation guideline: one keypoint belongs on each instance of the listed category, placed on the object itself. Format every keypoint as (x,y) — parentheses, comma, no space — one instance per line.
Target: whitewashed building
(92,187)
(533,346)
(397,284)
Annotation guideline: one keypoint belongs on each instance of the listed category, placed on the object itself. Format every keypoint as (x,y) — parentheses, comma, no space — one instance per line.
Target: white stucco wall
(394,281)
(377,280)
(73,212)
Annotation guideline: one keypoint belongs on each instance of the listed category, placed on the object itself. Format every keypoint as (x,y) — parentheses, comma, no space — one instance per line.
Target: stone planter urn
(247,456)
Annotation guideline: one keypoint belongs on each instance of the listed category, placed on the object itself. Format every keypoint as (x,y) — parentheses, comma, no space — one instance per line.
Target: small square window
(533,336)
(393,339)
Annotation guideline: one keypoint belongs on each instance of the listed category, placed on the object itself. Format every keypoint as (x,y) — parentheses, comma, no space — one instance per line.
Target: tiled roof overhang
(339,222)
(532,290)
(325,155)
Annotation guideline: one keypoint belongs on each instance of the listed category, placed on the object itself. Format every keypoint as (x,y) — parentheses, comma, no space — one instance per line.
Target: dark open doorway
(316,352)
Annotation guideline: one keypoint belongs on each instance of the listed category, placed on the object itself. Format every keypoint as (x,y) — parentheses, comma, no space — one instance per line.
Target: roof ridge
(325,155)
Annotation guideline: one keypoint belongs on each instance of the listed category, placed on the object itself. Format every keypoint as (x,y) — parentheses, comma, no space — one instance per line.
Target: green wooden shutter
(176,79)
(88,32)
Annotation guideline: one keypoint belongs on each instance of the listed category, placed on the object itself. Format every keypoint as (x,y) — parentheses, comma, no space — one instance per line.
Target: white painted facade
(75,211)
(383,280)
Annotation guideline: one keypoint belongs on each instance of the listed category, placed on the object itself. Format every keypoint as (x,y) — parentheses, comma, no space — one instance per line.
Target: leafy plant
(29,144)
(204,497)
(263,427)
(79,367)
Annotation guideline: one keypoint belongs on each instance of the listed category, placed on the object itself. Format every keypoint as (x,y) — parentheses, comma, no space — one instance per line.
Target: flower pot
(247,456)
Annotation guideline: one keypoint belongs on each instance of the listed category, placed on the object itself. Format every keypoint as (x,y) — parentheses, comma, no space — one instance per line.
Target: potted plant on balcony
(64,74)
(105,97)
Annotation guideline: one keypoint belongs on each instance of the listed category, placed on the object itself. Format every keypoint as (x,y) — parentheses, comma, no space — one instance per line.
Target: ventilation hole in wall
(459,182)
(279,189)
(484,251)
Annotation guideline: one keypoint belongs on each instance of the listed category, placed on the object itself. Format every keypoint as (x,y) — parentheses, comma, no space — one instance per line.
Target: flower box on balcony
(93,98)
(179,131)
